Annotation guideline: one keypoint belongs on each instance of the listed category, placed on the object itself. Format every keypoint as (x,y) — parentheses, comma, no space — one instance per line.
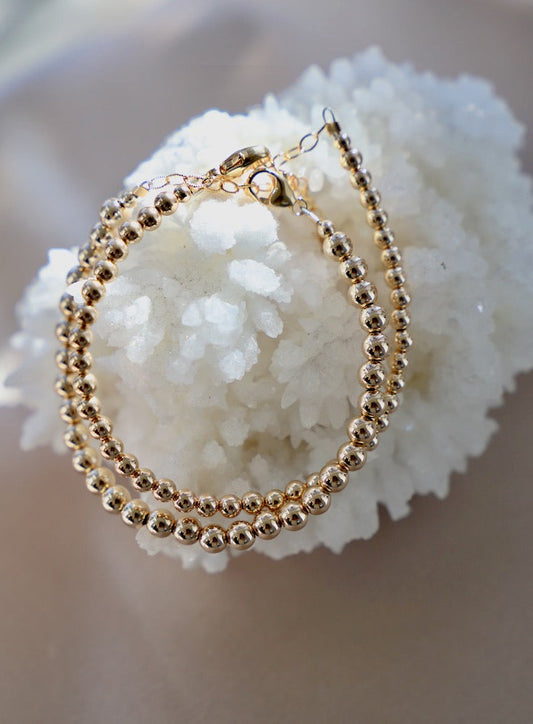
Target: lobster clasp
(276,191)
(244,158)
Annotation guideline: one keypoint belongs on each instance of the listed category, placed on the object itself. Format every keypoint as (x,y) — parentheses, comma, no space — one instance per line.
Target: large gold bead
(332,477)
(149,217)
(101,428)
(100,234)
(373,318)
(229,506)
(85,385)
(93,291)
(161,523)
(80,362)
(241,535)
(75,436)
(371,374)
(143,480)
(99,479)
(115,498)
(252,502)
(376,347)
(293,516)
(360,430)
(353,269)
(352,159)
(112,212)
(89,409)
(294,489)
(383,238)
(166,202)
(266,525)
(213,539)
(337,246)
(164,490)
(315,500)
(187,530)
(105,271)
(274,499)
(126,465)
(85,315)
(185,501)
(111,448)
(116,250)
(69,411)
(131,232)
(351,457)
(85,460)
(135,513)
(372,403)
(206,505)
(362,294)
(80,338)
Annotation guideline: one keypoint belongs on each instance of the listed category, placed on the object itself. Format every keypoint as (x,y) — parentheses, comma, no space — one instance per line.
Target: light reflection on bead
(143,480)
(293,516)
(241,535)
(184,501)
(85,460)
(206,505)
(351,457)
(274,499)
(294,489)
(332,477)
(135,513)
(213,539)
(99,479)
(161,523)
(229,506)
(187,530)
(164,490)
(115,498)
(315,500)
(252,502)
(266,525)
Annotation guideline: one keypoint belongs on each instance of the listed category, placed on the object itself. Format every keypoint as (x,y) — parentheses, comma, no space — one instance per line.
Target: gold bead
(161,523)
(182,193)
(337,246)
(85,385)
(403,341)
(361,179)
(376,347)
(143,479)
(105,271)
(400,320)
(84,315)
(131,232)
(166,203)
(111,448)
(395,383)
(395,277)
(93,291)
(293,516)
(116,250)
(128,199)
(383,238)
(241,535)
(89,254)
(101,428)
(63,330)
(67,305)
(252,502)
(115,498)
(312,479)
(362,294)
(206,505)
(399,362)
(332,477)
(80,338)
(400,298)
(100,234)
(89,409)
(324,228)
(392,402)
(75,436)
(229,506)
(377,218)
(135,513)
(351,159)
(370,198)
(69,411)
(294,489)
(126,465)
(360,430)
(164,490)
(80,362)
(185,501)
(63,386)
(315,500)
(213,539)
(372,444)
(266,525)
(274,499)
(149,217)
(342,142)
(371,374)
(187,530)
(62,360)
(382,423)
(373,319)
(112,212)
(353,269)
(76,273)
(391,257)
(85,460)
(372,403)
(99,480)
(351,457)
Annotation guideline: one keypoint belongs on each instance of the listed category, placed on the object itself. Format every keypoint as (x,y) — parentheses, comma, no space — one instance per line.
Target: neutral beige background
(430,621)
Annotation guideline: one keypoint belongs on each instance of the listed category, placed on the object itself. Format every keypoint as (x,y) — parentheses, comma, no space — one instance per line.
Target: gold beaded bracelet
(123,223)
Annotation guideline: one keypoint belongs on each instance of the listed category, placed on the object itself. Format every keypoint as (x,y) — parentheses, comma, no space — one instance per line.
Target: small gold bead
(377,218)
(76,273)
(332,477)
(187,530)
(324,228)
(105,271)
(400,319)
(62,360)
(395,277)
(135,513)
(370,198)
(351,457)
(67,305)
(69,411)
(229,506)
(362,294)
(399,362)
(376,347)
(89,254)
(372,403)
(101,428)
(89,409)
(80,338)
(241,535)
(100,234)
(353,269)
(161,523)
(166,203)
(149,217)
(294,489)
(383,238)
(112,212)
(361,179)
(126,465)
(111,448)
(342,142)
(312,479)
(400,298)
(143,479)
(85,460)
(63,330)
(293,516)
(99,480)
(63,386)
(391,257)
(185,501)
(213,539)
(115,498)
(266,525)
(392,402)
(85,385)
(128,199)
(361,430)
(131,232)
(182,193)
(164,490)
(252,502)
(93,291)
(382,423)
(352,159)
(337,246)
(116,250)
(274,499)
(80,362)
(395,383)
(371,374)
(373,318)
(403,341)
(206,505)
(315,500)
(75,436)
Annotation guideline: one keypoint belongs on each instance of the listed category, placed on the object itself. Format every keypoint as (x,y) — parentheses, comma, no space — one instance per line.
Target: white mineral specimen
(227,351)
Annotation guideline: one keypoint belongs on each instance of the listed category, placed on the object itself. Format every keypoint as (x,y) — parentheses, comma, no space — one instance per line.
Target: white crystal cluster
(227,350)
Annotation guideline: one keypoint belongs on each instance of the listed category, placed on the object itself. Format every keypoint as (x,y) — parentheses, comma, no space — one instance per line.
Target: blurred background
(431,620)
